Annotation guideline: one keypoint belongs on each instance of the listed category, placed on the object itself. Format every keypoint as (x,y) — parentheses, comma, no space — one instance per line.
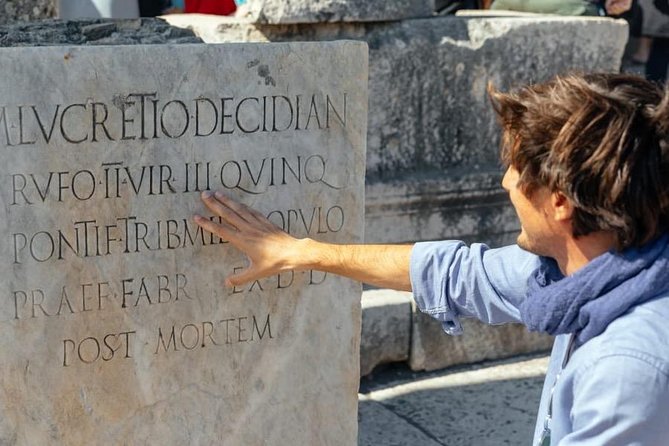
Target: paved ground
(489,404)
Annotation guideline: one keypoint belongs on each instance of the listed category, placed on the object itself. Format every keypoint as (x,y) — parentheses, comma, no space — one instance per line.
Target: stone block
(468,206)
(433,140)
(320,11)
(116,327)
(432,349)
(386,328)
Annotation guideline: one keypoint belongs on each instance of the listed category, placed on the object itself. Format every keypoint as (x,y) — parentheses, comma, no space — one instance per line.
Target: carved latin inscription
(116,326)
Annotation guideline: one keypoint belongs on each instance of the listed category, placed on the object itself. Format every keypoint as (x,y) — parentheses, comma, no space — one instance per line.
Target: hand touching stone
(270,250)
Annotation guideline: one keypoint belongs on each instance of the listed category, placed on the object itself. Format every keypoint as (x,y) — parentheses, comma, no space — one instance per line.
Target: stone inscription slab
(115,325)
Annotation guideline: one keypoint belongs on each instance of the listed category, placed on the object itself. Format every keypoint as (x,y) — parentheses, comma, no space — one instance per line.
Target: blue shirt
(614,390)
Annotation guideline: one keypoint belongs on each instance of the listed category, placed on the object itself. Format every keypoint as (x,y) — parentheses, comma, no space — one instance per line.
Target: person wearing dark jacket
(657,26)
(152,8)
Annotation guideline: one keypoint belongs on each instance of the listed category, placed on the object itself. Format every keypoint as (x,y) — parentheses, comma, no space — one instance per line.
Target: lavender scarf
(591,298)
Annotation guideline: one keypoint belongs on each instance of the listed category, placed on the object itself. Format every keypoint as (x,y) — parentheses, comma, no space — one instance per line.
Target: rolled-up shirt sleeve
(451,280)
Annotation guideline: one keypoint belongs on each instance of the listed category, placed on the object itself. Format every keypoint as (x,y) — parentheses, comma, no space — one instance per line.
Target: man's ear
(563,208)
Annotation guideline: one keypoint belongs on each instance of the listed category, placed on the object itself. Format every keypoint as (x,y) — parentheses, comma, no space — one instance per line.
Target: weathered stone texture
(320,11)
(394,330)
(94,32)
(428,105)
(432,349)
(116,327)
(454,204)
(26,10)
(386,328)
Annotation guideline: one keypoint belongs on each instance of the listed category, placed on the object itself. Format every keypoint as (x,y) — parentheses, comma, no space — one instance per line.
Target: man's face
(539,233)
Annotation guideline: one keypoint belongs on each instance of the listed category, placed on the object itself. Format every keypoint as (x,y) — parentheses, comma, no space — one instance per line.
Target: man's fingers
(222,209)
(240,209)
(223,230)
(246,212)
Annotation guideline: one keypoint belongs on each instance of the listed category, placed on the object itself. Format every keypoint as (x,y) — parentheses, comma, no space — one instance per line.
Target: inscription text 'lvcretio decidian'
(144,116)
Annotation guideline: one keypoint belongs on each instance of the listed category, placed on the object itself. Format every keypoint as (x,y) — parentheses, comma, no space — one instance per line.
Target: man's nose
(506,179)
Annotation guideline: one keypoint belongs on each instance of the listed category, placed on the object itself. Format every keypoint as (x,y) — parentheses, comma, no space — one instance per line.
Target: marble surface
(116,327)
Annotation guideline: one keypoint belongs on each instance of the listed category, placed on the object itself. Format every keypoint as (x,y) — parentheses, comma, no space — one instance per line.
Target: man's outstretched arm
(271,250)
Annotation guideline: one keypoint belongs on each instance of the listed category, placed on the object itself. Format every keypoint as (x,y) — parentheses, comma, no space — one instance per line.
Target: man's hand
(271,250)
(617,7)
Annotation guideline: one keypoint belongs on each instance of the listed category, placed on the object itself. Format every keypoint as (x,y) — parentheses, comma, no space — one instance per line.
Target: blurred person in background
(566,7)
(152,8)
(218,7)
(656,26)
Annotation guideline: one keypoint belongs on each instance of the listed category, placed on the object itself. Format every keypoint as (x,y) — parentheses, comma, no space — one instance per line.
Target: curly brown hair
(600,139)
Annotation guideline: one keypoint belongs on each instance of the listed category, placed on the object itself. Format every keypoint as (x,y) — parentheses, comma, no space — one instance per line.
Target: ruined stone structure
(432,154)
